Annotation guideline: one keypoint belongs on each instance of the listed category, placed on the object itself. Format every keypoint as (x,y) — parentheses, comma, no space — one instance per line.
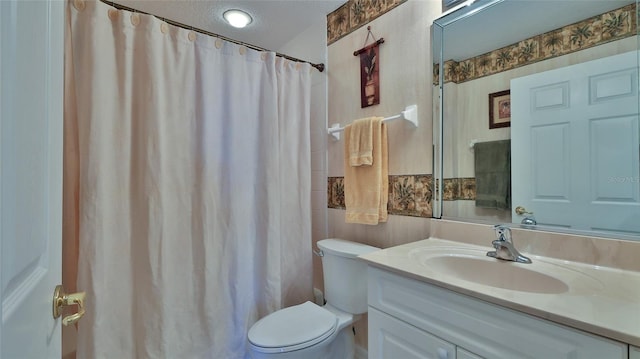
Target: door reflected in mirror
(542,116)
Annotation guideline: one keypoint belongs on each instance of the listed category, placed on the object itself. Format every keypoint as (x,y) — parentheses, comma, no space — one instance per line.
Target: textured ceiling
(275,22)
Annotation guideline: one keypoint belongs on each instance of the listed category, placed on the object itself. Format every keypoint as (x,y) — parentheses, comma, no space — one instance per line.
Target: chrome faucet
(504,246)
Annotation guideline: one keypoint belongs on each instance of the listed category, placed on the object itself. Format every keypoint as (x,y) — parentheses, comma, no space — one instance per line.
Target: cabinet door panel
(393,338)
(463,354)
(483,328)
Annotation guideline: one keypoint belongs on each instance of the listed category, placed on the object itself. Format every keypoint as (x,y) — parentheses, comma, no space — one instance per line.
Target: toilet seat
(292,328)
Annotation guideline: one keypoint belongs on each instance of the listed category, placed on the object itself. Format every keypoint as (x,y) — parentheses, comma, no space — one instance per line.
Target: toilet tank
(345,276)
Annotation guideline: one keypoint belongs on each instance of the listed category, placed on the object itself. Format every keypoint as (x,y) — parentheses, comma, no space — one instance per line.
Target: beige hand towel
(361,142)
(366,188)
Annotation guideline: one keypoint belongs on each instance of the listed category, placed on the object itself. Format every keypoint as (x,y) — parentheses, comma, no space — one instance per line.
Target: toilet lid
(292,328)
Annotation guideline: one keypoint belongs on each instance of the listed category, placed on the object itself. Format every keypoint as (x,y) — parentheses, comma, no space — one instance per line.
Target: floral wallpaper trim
(409,195)
(597,30)
(355,13)
(456,189)
(335,192)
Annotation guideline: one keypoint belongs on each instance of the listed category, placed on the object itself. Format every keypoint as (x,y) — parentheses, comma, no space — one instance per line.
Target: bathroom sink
(471,265)
(498,273)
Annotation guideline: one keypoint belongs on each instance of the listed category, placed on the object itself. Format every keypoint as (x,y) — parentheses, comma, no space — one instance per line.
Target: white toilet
(308,331)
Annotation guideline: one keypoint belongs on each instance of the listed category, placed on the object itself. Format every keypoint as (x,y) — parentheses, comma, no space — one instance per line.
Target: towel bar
(410,114)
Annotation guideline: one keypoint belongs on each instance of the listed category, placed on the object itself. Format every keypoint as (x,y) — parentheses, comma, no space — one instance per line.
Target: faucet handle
(503,232)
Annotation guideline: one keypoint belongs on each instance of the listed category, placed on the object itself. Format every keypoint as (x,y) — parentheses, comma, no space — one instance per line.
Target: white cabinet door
(390,338)
(31,55)
(574,147)
(485,329)
(634,352)
(463,354)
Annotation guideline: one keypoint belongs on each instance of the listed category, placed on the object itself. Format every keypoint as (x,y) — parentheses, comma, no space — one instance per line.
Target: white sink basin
(496,273)
(472,265)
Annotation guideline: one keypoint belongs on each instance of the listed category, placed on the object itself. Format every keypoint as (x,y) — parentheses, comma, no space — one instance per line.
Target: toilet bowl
(303,331)
(309,331)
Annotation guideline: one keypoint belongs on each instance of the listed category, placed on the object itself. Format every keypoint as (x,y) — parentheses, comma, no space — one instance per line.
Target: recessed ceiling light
(237,18)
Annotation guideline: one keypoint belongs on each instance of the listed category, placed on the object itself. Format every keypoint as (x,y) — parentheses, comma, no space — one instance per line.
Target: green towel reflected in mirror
(493,174)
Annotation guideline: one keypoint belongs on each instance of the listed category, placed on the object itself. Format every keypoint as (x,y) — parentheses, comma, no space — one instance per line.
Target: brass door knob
(62,299)
(521,210)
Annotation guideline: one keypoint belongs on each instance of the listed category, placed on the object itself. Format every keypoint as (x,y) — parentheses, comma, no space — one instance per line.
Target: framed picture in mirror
(500,109)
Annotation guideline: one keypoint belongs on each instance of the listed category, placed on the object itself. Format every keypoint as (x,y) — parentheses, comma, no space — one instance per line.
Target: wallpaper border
(409,195)
(354,14)
(597,30)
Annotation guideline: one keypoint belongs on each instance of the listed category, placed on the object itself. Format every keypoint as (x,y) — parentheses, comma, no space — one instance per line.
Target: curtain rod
(319,67)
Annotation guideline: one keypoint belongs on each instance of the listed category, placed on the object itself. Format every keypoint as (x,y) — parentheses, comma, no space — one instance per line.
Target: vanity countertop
(600,300)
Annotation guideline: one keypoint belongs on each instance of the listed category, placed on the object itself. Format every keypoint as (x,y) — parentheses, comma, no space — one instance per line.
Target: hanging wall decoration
(369,71)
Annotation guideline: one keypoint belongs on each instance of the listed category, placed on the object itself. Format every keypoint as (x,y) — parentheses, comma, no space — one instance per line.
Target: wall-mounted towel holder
(410,114)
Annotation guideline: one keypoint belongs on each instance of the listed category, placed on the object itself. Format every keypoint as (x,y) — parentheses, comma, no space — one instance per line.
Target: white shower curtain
(187,162)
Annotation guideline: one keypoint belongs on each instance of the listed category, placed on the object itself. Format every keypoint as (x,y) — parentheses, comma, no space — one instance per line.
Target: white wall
(405,79)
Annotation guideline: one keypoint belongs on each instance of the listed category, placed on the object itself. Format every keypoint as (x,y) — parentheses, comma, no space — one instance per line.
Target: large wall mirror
(536,115)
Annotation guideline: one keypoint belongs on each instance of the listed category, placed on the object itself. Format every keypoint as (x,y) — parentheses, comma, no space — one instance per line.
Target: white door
(31,110)
(575,145)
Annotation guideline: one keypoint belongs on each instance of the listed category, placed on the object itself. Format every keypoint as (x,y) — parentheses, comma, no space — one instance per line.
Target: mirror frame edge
(437,32)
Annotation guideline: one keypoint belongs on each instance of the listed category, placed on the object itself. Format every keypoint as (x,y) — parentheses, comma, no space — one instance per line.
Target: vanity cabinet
(463,354)
(397,339)
(409,318)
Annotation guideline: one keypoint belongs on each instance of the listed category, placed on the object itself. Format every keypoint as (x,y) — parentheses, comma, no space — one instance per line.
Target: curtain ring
(79,4)
(135,19)
(113,14)
(192,34)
